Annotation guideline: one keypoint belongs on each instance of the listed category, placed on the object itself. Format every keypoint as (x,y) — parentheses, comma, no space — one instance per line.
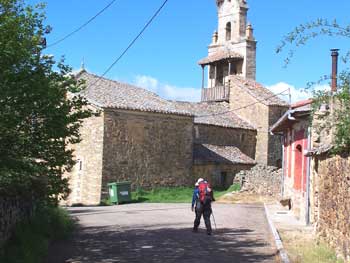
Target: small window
(242,137)
(80,165)
(228,31)
(299,147)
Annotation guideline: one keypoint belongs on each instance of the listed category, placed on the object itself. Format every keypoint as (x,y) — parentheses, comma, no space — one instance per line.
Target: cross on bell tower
(232,51)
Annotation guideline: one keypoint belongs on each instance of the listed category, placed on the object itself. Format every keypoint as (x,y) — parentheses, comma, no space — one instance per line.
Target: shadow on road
(102,244)
(84,212)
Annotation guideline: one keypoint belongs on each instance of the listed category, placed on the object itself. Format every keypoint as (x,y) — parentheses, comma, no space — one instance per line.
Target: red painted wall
(294,147)
(300,140)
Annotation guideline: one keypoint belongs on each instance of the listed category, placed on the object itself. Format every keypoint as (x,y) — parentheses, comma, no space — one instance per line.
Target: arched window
(228,31)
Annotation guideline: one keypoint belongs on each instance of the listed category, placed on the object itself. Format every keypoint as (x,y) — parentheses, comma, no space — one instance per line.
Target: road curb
(278,241)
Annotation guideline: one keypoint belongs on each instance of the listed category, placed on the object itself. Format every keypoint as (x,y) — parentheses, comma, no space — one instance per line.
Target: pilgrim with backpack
(201,204)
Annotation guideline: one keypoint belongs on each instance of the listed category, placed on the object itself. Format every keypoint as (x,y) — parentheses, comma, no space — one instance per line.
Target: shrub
(31,238)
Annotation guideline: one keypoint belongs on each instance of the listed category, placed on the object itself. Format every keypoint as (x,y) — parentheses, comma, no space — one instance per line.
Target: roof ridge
(123,83)
(252,87)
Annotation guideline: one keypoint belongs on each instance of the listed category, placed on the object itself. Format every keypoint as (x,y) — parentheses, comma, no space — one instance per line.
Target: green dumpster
(119,192)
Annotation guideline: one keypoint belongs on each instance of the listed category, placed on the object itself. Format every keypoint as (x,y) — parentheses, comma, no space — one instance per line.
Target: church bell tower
(231,52)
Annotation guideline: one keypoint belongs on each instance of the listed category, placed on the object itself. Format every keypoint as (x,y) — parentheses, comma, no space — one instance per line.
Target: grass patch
(164,195)
(174,194)
(233,188)
(31,239)
(303,248)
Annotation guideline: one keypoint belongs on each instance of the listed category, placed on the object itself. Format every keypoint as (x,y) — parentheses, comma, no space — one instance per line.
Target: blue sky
(165,59)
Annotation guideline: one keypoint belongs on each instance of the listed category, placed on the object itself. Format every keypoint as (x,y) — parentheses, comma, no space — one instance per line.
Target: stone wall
(261,180)
(275,141)
(243,139)
(256,114)
(333,205)
(219,175)
(86,176)
(12,211)
(268,147)
(147,149)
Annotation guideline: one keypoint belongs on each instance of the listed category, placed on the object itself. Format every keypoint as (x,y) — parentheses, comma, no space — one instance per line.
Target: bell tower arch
(232,51)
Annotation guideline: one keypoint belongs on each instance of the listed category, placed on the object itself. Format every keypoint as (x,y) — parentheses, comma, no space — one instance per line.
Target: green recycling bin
(119,192)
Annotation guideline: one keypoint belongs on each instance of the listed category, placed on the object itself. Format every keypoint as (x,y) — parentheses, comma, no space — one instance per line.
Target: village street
(162,233)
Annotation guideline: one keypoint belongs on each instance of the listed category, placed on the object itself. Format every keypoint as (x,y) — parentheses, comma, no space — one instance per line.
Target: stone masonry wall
(12,211)
(86,176)
(213,173)
(243,139)
(333,203)
(257,115)
(275,141)
(147,149)
(268,147)
(261,180)
(330,184)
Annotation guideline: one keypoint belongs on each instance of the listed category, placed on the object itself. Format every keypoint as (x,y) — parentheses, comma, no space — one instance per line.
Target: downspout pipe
(283,166)
(308,180)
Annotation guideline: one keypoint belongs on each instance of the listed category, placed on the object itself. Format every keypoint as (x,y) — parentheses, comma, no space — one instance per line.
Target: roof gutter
(286,116)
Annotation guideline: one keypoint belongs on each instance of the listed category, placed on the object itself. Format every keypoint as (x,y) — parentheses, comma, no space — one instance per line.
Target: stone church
(152,142)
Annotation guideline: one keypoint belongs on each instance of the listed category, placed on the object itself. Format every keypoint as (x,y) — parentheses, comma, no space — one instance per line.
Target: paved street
(162,233)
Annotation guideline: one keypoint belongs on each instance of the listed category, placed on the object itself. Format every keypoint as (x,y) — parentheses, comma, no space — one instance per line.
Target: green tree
(303,33)
(40,109)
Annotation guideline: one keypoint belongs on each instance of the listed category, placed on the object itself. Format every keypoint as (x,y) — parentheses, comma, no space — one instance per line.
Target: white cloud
(296,93)
(167,91)
(172,92)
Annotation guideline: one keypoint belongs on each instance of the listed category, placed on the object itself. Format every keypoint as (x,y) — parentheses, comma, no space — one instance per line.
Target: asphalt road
(162,233)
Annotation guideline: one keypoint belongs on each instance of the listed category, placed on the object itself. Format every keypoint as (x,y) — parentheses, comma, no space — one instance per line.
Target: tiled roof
(207,153)
(220,55)
(113,94)
(213,113)
(291,116)
(258,91)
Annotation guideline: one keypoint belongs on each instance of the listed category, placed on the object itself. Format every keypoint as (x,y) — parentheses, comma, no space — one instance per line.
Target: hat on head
(200,180)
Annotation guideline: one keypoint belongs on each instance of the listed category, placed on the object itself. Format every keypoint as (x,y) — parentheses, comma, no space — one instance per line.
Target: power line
(83,25)
(240,108)
(131,43)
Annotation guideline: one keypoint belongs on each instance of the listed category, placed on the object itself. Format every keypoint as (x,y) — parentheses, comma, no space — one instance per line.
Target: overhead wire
(83,25)
(131,43)
(244,107)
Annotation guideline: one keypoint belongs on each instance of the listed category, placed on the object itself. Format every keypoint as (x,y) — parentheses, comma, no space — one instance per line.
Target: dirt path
(162,233)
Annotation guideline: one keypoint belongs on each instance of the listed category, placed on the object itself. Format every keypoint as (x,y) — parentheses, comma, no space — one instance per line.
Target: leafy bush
(31,239)
(340,120)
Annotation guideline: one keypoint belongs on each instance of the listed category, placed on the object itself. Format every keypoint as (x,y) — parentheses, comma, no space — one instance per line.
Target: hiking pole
(214,220)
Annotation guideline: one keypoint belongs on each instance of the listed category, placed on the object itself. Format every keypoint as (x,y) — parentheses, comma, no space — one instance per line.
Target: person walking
(201,203)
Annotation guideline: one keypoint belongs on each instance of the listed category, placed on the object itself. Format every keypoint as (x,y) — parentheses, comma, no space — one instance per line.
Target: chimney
(335,55)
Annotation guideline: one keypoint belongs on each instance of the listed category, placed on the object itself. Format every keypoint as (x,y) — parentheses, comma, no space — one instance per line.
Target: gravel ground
(162,233)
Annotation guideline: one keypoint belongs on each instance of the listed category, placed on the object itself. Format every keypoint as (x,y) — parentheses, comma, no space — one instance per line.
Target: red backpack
(204,192)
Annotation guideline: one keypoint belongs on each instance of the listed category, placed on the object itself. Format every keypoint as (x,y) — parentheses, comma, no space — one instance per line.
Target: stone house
(150,141)
(294,126)
(137,136)
(316,181)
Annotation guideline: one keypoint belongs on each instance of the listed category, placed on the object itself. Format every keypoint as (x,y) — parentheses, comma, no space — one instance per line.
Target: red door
(299,162)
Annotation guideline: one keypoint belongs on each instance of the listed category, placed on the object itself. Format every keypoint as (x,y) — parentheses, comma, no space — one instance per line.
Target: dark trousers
(206,212)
